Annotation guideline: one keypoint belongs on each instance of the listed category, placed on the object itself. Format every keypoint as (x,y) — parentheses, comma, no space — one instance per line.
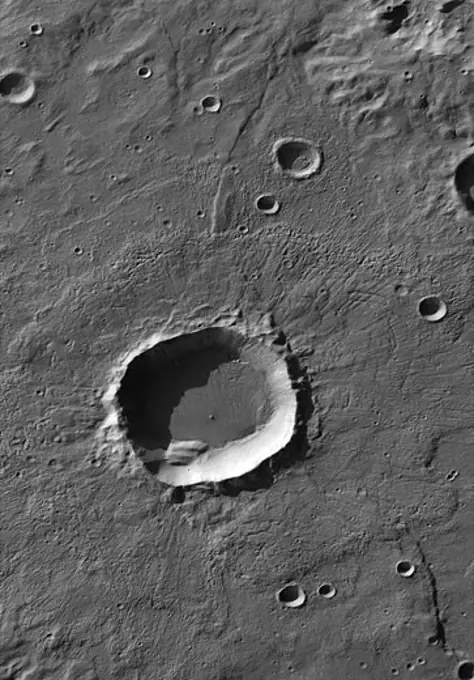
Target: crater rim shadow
(464,182)
(394,17)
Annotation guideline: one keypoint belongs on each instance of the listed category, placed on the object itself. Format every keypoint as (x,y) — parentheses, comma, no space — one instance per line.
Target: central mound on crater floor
(206,406)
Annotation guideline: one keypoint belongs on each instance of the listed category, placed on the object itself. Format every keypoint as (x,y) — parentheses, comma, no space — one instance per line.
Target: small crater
(465,670)
(405,568)
(452,475)
(464,182)
(211,104)
(144,72)
(267,204)
(292,595)
(432,308)
(421,661)
(401,290)
(17,87)
(36,29)
(327,590)
(394,16)
(297,157)
(423,102)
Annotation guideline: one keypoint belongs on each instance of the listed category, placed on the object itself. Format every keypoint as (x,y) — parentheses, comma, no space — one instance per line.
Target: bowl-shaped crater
(17,87)
(297,157)
(207,406)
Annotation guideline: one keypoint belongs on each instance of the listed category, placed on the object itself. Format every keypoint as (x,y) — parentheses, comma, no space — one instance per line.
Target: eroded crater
(206,406)
(394,16)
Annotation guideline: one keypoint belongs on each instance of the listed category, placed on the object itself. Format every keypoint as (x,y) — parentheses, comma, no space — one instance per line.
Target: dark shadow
(465,670)
(464,182)
(449,6)
(307,35)
(394,17)
(11,82)
(156,381)
(429,306)
(298,447)
(177,495)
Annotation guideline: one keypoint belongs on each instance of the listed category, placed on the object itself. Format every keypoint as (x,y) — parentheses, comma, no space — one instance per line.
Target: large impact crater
(207,405)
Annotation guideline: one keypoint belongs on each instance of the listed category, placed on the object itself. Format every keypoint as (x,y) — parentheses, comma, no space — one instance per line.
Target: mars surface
(237,249)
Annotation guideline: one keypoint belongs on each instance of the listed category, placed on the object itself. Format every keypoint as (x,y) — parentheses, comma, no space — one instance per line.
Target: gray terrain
(237,277)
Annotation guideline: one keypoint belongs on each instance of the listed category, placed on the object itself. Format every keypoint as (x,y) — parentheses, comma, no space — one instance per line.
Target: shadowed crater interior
(10,83)
(297,157)
(465,670)
(464,182)
(16,87)
(191,388)
(198,405)
(394,17)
